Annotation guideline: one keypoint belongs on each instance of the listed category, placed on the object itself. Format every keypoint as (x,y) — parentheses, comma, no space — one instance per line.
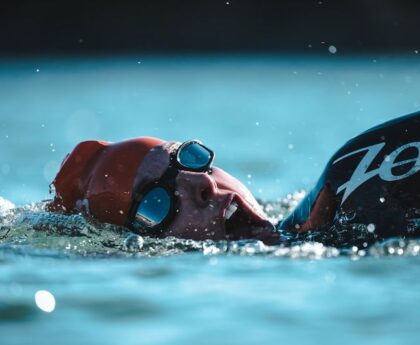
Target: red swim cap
(98,177)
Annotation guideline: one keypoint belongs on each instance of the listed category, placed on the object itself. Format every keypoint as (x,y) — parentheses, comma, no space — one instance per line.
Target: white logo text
(361,175)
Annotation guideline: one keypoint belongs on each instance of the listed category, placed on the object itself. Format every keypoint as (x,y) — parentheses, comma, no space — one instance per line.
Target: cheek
(195,223)
(228,182)
(190,213)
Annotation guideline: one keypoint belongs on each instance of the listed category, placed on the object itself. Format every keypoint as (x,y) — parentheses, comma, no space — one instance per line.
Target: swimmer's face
(210,206)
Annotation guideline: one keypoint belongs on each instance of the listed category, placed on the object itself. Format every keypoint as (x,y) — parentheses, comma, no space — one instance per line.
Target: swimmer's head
(139,182)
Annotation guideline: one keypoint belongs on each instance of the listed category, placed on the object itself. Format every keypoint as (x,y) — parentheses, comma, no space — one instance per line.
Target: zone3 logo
(361,175)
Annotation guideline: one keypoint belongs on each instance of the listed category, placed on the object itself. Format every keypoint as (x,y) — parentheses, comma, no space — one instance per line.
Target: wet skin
(205,202)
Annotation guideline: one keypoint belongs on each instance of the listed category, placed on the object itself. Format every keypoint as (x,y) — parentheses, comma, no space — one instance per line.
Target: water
(273,122)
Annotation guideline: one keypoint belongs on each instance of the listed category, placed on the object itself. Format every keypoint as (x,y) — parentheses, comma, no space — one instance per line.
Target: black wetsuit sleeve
(374,178)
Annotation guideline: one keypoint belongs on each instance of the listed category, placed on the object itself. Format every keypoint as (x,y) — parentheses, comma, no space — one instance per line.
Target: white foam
(5,207)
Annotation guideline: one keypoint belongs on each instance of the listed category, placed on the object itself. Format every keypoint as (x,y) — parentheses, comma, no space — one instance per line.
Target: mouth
(241,221)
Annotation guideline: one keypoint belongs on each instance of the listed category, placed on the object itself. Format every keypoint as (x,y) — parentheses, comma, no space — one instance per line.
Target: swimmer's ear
(70,180)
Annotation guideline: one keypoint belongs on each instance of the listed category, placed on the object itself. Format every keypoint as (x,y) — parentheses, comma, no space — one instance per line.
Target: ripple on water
(114,310)
(17,311)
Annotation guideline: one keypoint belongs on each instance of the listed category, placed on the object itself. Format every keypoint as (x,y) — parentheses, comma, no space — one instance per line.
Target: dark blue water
(273,122)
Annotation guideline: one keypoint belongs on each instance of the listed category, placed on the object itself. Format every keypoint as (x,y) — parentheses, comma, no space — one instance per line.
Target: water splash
(30,230)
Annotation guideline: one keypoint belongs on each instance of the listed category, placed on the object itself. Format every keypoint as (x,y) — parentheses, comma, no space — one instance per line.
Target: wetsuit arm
(374,176)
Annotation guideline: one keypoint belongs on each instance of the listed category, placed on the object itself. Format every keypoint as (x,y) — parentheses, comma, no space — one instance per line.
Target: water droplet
(133,243)
(332,49)
(371,227)
(382,199)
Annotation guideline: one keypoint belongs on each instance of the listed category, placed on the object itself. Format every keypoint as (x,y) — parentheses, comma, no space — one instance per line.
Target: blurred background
(95,27)
(275,87)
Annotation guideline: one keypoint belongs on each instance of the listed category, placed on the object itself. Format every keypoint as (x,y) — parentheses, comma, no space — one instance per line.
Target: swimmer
(164,188)
(373,179)
(159,188)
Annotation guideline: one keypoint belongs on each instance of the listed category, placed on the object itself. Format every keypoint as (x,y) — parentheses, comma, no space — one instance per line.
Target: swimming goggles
(155,205)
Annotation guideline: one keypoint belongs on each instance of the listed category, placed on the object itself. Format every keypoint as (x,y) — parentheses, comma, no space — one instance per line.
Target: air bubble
(371,227)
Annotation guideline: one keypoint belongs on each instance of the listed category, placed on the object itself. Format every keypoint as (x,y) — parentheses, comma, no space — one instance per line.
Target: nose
(200,186)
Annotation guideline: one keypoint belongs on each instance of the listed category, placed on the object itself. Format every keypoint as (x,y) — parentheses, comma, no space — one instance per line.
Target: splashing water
(30,230)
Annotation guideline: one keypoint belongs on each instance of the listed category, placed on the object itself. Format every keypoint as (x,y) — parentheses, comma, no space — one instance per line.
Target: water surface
(273,121)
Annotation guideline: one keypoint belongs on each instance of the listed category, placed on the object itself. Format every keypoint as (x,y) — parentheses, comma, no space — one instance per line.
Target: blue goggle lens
(194,156)
(154,207)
